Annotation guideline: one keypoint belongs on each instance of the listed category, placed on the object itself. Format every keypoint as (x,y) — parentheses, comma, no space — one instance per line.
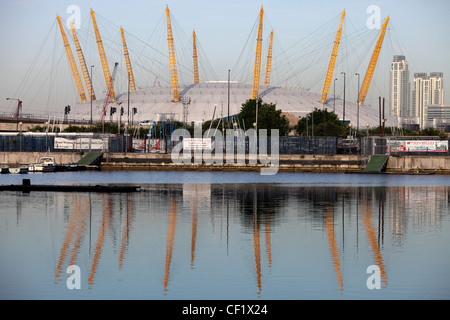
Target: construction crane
(269,61)
(87,79)
(127,61)
(195,57)
(332,63)
(173,62)
(72,63)
(19,107)
(257,68)
(372,64)
(110,90)
(103,60)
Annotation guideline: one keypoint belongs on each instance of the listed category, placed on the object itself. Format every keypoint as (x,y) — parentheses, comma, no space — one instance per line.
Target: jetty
(26,186)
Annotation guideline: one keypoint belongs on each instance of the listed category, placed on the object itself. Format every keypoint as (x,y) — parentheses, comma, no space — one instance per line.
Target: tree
(320,123)
(268,117)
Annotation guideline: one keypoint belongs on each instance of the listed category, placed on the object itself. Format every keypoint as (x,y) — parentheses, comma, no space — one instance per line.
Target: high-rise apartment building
(427,90)
(400,88)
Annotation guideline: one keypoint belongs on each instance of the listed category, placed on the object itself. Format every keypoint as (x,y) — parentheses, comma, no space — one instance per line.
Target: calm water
(228,236)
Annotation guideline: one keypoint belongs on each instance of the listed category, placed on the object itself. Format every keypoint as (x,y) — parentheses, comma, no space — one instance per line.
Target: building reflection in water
(262,210)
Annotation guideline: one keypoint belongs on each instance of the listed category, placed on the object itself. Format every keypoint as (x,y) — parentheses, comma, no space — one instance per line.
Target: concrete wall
(405,163)
(19,158)
(14,126)
(315,162)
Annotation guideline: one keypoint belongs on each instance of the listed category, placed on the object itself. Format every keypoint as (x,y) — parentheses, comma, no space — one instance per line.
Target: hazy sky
(223,27)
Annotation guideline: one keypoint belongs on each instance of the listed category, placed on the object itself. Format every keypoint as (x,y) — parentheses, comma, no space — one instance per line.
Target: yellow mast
(127,61)
(173,62)
(269,61)
(326,85)
(195,56)
(73,66)
(372,64)
(87,79)
(101,51)
(257,69)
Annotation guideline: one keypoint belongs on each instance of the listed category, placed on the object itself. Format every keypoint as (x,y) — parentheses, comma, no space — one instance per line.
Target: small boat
(4,169)
(18,170)
(71,167)
(45,164)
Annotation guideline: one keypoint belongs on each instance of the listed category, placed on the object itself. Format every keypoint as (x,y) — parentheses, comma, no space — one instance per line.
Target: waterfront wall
(25,158)
(286,163)
(417,163)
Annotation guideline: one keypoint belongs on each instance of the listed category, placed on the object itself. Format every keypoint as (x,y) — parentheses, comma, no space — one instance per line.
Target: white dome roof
(156,104)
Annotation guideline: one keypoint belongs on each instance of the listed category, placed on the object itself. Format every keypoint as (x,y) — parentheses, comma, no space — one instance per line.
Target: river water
(221,236)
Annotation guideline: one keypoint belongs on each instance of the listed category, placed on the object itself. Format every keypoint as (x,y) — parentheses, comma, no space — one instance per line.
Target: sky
(423,28)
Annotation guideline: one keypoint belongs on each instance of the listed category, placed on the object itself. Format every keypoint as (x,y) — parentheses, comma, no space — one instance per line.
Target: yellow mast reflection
(126,230)
(194,230)
(268,241)
(256,241)
(100,241)
(74,232)
(81,227)
(170,240)
(257,248)
(333,247)
(372,239)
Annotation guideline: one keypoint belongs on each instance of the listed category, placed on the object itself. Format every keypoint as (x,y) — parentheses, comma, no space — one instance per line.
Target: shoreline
(408,164)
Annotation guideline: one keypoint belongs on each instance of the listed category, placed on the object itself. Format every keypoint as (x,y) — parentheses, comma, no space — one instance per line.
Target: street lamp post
(367,137)
(91,93)
(357,110)
(128,118)
(20,137)
(126,138)
(343,109)
(256,126)
(46,135)
(334,93)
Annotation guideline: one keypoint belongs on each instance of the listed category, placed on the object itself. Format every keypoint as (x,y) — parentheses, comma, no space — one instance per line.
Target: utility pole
(357,101)
(384,120)
(334,93)
(379,111)
(343,111)
(128,97)
(91,93)
(228,118)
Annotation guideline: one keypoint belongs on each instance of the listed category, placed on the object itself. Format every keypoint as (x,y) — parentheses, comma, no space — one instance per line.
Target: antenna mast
(195,58)
(372,65)
(73,66)
(330,71)
(269,61)
(101,51)
(87,79)
(173,62)
(127,61)
(257,69)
